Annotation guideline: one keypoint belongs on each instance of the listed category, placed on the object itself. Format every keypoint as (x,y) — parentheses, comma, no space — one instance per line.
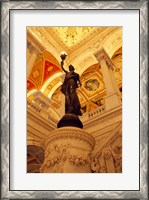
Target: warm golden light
(63,55)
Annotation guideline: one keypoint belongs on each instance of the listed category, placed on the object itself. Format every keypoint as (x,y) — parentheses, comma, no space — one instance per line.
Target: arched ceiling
(44,67)
(80,43)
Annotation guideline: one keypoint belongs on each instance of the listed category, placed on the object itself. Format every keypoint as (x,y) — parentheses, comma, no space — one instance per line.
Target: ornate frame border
(6,6)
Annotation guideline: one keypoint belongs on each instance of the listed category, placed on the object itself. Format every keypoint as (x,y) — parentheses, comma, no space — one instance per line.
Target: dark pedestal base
(70,120)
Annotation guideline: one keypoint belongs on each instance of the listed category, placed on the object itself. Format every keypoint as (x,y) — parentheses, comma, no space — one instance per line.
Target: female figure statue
(71,82)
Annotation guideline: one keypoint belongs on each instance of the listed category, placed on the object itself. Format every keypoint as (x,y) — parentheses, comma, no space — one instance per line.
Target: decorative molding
(108,140)
(107,154)
(45,122)
(59,156)
(78,161)
(102,55)
(109,160)
(33,44)
(70,132)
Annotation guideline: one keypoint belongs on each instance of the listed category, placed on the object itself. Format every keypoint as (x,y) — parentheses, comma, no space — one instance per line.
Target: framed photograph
(74,100)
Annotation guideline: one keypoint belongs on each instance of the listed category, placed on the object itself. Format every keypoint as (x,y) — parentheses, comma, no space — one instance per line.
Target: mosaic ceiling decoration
(91,85)
(44,67)
(72,35)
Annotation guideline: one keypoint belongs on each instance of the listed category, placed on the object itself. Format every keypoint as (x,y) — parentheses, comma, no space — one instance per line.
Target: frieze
(63,133)
(99,163)
(78,160)
(57,156)
(95,165)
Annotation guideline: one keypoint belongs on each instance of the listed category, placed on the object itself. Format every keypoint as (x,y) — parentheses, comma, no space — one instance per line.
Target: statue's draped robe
(72,104)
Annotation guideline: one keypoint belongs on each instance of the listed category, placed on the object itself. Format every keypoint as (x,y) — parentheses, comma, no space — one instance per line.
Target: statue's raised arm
(63,57)
(62,66)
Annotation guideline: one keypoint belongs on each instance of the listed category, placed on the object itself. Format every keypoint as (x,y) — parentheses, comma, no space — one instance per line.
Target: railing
(34,106)
(96,111)
(47,115)
(93,113)
(40,110)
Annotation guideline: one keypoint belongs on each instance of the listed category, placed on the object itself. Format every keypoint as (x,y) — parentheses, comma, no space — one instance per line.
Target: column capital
(102,55)
(33,45)
(33,48)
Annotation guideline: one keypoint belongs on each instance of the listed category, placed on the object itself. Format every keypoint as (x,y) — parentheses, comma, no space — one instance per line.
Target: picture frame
(7,103)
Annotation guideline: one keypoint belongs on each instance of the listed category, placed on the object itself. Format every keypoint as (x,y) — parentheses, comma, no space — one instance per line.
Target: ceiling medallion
(72,35)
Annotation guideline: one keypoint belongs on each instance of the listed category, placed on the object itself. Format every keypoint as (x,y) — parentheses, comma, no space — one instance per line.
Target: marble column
(112,98)
(34,48)
(32,52)
(30,63)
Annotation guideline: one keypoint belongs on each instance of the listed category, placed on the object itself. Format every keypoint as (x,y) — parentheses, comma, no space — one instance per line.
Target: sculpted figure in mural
(71,83)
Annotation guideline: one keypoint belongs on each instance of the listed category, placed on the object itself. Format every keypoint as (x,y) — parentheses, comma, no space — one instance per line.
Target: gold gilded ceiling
(72,35)
(67,38)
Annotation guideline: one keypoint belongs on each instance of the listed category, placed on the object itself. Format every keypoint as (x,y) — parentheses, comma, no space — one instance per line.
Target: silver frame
(142,6)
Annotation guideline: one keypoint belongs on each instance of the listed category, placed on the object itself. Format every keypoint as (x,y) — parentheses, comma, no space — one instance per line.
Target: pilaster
(112,98)
(34,49)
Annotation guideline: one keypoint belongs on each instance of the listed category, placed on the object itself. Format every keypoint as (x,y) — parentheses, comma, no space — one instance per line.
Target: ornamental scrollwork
(107,154)
(56,157)
(78,160)
(95,165)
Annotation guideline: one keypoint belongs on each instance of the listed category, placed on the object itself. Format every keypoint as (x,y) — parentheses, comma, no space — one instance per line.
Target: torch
(63,55)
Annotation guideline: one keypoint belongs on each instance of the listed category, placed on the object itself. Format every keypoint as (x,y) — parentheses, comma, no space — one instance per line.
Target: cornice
(71,133)
(46,123)
(34,132)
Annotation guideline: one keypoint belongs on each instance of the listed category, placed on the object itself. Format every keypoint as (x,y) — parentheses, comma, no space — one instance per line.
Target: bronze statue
(71,83)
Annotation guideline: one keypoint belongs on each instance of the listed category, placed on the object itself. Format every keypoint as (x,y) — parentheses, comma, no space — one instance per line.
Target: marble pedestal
(67,150)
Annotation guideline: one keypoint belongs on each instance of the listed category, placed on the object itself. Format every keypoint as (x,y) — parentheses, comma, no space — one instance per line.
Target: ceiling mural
(50,57)
(44,67)
(36,76)
(91,84)
(30,85)
(49,69)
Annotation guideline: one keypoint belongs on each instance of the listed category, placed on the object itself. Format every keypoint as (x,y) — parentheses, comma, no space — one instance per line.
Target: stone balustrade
(36,108)
(96,111)
(93,113)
